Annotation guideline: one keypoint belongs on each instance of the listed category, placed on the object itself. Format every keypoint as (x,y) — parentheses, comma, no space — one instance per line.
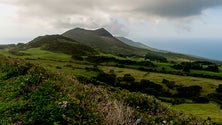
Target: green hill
(138,44)
(58,43)
(104,41)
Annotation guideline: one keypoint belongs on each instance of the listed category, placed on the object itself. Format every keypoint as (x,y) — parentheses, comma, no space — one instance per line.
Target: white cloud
(36,17)
(101,12)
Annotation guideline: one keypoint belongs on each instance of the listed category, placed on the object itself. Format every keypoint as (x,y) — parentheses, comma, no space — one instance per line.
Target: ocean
(207,48)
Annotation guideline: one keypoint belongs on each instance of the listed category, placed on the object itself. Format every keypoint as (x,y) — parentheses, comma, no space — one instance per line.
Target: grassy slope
(32,95)
(137,44)
(78,69)
(106,43)
(209,85)
(211,110)
(109,44)
(58,43)
(37,53)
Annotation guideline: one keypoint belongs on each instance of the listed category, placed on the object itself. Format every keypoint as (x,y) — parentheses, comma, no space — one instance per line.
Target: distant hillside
(137,44)
(7,46)
(171,55)
(58,43)
(104,41)
(89,42)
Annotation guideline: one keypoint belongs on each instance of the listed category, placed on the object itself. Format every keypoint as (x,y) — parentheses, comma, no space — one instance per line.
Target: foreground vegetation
(32,95)
(43,87)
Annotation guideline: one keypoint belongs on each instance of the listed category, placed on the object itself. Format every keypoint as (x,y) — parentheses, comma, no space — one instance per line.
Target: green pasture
(37,53)
(210,110)
(208,85)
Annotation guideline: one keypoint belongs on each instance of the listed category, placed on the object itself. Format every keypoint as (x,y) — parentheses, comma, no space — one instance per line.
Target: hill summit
(102,32)
(104,41)
(98,32)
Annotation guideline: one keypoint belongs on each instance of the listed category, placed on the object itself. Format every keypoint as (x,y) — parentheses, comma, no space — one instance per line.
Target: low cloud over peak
(116,15)
(166,8)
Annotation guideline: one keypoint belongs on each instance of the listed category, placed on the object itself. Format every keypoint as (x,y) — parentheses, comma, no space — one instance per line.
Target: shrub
(189,92)
(77,57)
(10,71)
(201,100)
(155,57)
(83,79)
(149,84)
(150,87)
(213,68)
(120,65)
(177,101)
(58,67)
(128,78)
(107,78)
(17,52)
(219,89)
(177,66)
(169,84)
(100,59)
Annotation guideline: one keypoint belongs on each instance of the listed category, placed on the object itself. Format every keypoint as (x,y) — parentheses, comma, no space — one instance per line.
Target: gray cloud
(177,8)
(104,13)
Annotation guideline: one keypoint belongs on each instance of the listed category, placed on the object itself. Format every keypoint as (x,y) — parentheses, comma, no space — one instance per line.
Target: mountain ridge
(138,44)
(103,40)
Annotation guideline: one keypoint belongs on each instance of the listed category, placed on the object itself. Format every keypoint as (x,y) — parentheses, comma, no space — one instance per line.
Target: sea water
(207,48)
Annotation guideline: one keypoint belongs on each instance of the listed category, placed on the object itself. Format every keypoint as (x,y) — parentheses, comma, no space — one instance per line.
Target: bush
(219,89)
(100,59)
(213,68)
(120,65)
(107,78)
(177,66)
(189,92)
(149,84)
(155,57)
(150,87)
(10,71)
(128,78)
(201,100)
(58,67)
(145,103)
(17,53)
(217,97)
(169,84)
(77,57)
(177,101)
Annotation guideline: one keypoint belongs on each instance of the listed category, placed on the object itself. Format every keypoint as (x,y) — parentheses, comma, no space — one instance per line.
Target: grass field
(206,72)
(208,85)
(210,110)
(37,53)
(62,63)
(66,67)
(78,68)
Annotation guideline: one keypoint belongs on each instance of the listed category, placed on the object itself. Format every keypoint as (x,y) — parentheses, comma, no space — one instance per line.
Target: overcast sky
(140,20)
